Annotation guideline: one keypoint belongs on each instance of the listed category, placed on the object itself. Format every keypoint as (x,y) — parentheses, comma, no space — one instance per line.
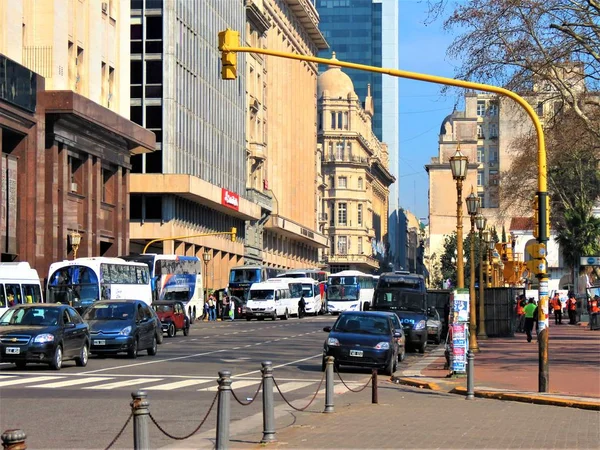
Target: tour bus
(81,282)
(320,276)
(242,277)
(271,298)
(19,283)
(312,294)
(349,290)
(175,277)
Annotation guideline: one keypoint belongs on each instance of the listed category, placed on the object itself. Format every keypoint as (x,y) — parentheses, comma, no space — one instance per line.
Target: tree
(580,234)
(519,43)
(503,233)
(448,258)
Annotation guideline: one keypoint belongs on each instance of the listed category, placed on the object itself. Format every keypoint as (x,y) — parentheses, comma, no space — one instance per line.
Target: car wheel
(133,351)
(20,365)
(192,315)
(286,316)
(152,350)
(82,359)
(437,339)
(389,370)
(323,365)
(248,319)
(186,330)
(56,363)
(171,330)
(402,354)
(260,318)
(159,335)
(422,347)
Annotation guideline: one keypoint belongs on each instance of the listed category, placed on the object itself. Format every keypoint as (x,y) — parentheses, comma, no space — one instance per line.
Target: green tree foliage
(448,259)
(579,235)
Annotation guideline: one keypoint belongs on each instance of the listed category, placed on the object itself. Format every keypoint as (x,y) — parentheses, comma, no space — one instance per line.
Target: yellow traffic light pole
(233,234)
(229,45)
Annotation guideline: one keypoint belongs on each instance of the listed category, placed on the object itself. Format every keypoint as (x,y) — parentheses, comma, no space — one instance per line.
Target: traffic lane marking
(28,380)
(118,384)
(65,383)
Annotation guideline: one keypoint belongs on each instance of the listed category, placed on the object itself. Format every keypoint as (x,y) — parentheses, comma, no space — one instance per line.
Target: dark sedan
(43,333)
(363,339)
(122,326)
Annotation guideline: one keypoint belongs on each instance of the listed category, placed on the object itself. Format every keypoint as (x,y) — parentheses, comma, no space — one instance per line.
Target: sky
(423,107)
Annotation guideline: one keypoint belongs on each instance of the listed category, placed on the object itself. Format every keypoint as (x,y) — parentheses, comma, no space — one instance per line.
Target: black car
(43,333)
(122,326)
(363,339)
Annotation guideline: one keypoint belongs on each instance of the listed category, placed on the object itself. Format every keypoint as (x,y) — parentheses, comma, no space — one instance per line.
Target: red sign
(230,199)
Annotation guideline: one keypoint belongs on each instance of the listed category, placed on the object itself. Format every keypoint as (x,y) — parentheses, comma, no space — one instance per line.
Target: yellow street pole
(233,233)
(228,37)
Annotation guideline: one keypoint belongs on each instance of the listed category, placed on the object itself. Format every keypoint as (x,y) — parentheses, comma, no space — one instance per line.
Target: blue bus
(242,277)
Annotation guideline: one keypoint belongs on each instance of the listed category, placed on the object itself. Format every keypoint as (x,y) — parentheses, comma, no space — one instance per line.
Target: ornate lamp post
(481,222)
(458,165)
(206,258)
(75,238)
(473,209)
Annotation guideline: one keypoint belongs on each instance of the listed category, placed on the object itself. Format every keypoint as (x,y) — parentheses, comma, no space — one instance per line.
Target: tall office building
(195,181)
(366,32)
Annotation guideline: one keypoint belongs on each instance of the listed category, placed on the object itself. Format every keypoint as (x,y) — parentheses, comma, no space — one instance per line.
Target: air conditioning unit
(104,7)
(74,187)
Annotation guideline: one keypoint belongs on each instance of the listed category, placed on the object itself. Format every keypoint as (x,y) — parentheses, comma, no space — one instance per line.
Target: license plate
(99,342)
(13,350)
(357,353)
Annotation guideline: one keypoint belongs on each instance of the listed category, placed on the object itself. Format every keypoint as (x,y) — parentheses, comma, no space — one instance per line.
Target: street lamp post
(206,259)
(458,165)
(481,222)
(75,242)
(491,245)
(473,209)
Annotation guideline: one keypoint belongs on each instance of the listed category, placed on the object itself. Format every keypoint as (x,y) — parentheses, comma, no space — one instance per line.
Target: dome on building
(449,120)
(335,82)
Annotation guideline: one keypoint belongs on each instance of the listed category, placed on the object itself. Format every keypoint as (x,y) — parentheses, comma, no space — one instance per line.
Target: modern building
(366,32)
(281,138)
(412,254)
(194,183)
(355,177)
(66,142)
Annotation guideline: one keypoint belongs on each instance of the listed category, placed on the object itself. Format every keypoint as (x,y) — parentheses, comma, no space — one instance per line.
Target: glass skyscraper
(366,32)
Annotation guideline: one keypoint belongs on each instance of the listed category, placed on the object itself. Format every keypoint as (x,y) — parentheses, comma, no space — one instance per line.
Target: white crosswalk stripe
(27,380)
(118,384)
(177,385)
(72,382)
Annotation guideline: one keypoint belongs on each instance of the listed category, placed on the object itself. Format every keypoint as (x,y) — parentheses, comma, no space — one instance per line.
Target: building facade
(366,32)
(356,179)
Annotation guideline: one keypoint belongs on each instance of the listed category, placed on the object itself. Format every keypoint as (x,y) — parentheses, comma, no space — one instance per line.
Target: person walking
(529,310)
(520,314)
(212,308)
(572,308)
(594,310)
(205,313)
(557,308)
(301,307)
(225,308)
(231,309)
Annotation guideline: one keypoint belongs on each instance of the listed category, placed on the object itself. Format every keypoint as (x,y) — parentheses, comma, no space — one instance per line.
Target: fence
(142,417)
(500,315)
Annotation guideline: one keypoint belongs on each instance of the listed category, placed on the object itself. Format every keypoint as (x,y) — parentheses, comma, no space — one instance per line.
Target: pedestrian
(205,314)
(301,307)
(529,310)
(557,308)
(594,310)
(212,308)
(231,309)
(572,308)
(225,308)
(520,314)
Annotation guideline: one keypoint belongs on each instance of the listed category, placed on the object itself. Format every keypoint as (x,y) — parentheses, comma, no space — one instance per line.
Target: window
(480,107)
(481,196)
(340,121)
(342,245)
(360,215)
(32,293)
(360,246)
(479,132)
(345,121)
(349,146)
(360,183)
(339,147)
(333,121)
(493,154)
(320,121)
(480,154)
(342,213)
(493,130)
(493,109)
(342,182)
(480,178)
(76,173)
(540,109)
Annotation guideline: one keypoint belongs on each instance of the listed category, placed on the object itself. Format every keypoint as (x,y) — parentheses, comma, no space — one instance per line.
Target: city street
(85,407)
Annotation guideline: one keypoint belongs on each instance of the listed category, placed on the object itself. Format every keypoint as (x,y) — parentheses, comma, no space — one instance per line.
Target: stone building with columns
(355,177)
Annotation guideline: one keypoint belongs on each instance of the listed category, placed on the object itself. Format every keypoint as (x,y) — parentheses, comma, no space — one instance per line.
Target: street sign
(589,261)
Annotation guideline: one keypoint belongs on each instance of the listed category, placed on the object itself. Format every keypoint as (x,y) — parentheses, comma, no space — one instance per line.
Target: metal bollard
(140,411)
(329,385)
(223,410)
(268,408)
(14,440)
(374,394)
(470,375)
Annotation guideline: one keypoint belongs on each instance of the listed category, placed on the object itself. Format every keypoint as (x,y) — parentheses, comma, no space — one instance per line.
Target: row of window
(493,174)
(342,214)
(338,121)
(490,133)
(340,245)
(342,183)
(492,154)
(489,109)
(14,294)
(276,244)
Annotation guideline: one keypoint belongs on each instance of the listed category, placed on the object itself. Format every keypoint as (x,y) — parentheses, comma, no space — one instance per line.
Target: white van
(269,298)
(19,283)
(312,294)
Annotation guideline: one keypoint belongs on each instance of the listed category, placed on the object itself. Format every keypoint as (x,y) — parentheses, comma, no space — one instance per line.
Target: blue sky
(422,105)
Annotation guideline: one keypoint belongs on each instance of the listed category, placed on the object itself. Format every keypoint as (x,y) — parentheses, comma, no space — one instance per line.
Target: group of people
(211,308)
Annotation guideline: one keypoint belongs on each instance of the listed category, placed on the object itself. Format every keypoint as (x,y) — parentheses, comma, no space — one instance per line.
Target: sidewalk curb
(528,398)
(414,382)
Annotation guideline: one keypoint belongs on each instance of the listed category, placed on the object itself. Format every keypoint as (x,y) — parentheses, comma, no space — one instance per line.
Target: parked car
(121,326)
(159,333)
(362,339)
(434,325)
(172,317)
(400,339)
(43,333)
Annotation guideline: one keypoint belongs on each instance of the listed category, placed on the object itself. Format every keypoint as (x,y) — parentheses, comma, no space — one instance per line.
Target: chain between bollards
(329,385)
(14,440)
(268,407)
(374,393)
(223,410)
(470,375)
(140,411)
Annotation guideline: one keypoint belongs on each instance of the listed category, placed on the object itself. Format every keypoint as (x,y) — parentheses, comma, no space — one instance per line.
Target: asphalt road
(85,407)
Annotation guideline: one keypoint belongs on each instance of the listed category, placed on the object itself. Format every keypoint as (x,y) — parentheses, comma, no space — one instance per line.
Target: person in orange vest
(557,309)
(520,313)
(594,309)
(572,308)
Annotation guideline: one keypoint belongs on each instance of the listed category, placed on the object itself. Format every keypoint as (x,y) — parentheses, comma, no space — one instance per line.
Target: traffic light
(536,218)
(233,233)
(537,264)
(228,38)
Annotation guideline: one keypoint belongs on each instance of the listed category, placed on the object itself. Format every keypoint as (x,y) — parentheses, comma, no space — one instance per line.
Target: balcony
(347,258)
(257,151)
(259,198)
(323,217)
(359,160)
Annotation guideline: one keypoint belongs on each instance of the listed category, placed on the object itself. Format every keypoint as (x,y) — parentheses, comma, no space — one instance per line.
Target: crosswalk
(148,383)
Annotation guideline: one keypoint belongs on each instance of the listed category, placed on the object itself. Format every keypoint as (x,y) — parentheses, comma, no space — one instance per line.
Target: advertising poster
(459,347)
(460,306)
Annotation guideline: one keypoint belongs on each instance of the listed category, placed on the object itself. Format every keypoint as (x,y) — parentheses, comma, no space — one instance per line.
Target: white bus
(175,277)
(82,281)
(271,298)
(312,294)
(316,274)
(19,283)
(349,290)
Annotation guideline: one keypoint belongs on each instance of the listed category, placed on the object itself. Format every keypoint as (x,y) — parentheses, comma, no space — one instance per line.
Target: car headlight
(420,325)
(44,338)
(125,331)
(383,346)
(333,342)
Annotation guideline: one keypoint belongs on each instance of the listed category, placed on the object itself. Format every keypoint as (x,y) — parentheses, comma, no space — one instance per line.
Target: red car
(172,317)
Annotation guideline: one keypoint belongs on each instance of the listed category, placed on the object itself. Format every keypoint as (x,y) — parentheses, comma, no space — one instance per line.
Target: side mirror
(397,334)
(327,329)
(69,325)
(366,306)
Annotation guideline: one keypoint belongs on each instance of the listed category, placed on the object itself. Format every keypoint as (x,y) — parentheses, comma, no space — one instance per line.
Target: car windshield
(296,290)
(362,323)
(110,311)
(261,294)
(163,308)
(307,289)
(349,293)
(41,317)
(395,300)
